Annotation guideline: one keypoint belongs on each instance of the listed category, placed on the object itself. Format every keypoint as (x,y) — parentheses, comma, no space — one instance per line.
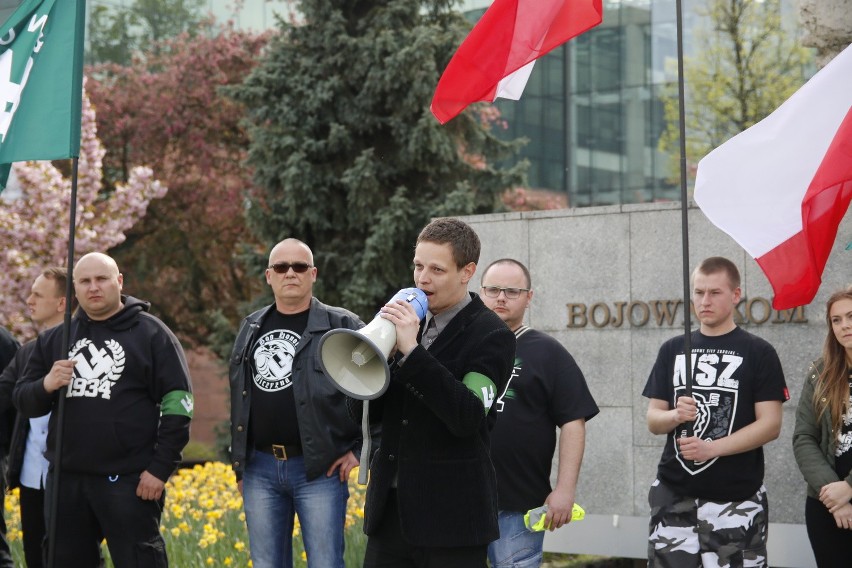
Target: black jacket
(8,351)
(126,366)
(435,435)
(21,428)
(327,431)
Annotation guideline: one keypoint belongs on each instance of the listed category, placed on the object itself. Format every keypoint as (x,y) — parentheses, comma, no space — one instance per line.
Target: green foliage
(162,19)
(199,452)
(745,65)
(109,35)
(346,153)
(220,340)
(117,32)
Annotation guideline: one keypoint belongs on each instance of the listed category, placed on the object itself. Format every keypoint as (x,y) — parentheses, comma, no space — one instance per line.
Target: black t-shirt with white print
(545,391)
(843,449)
(732,372)
(272,417)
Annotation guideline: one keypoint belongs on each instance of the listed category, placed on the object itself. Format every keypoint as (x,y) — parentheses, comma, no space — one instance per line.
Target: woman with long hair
(822,439)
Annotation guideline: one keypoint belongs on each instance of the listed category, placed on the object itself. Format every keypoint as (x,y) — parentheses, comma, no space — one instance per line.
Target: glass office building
(593,108)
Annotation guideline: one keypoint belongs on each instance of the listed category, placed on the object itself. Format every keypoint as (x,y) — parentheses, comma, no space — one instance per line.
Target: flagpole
(60,404)
(684,219)
(43,50)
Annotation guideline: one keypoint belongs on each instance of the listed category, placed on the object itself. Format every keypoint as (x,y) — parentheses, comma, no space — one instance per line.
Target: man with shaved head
(293,442)
(127,412)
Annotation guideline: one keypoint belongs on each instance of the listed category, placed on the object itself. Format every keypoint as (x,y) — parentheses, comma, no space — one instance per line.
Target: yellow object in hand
(534,518)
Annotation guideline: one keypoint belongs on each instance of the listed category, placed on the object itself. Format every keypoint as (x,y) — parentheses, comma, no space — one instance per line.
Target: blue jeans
(273,491)
(517,547)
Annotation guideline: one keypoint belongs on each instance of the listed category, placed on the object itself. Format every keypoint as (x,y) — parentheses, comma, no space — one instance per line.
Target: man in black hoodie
(127,415)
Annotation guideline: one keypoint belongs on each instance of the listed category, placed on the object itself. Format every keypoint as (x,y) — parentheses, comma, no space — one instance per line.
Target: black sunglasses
(283,267)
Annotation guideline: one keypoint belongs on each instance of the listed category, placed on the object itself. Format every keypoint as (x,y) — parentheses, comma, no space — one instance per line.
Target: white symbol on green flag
(41,82)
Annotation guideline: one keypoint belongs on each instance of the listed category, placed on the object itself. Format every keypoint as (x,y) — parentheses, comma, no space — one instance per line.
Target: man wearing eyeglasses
(546,391)
(431,501)
(293,442)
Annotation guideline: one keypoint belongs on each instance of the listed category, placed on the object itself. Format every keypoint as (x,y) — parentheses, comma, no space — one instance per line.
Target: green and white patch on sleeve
(482,387)
(177,403)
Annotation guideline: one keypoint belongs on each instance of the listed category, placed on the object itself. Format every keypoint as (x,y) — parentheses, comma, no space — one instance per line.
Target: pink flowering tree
(34,227)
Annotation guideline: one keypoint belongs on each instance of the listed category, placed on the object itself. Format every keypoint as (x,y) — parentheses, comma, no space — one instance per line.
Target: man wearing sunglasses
(546,391)
(293,443)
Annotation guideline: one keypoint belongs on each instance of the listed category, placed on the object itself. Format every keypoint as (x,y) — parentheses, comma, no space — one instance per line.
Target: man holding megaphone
(293,442)
(432,497)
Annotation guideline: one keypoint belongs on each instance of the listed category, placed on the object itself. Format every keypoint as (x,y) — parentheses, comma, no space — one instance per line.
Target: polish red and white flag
(496,58)
(781,187)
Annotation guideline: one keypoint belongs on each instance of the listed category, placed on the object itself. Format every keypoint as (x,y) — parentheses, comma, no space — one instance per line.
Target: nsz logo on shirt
(273,360)
(715,391)
(96,370)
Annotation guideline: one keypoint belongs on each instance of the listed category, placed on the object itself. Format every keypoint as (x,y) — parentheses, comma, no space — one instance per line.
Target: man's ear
(467,271)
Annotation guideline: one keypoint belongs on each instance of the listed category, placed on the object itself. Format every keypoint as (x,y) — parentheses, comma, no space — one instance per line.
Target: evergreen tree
(347,155)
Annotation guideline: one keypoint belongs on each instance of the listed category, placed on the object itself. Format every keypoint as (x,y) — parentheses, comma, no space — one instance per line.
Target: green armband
(178,403)
(482,387)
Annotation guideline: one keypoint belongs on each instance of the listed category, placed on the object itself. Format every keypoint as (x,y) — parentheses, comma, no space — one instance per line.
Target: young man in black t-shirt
(708,503)
(546,391)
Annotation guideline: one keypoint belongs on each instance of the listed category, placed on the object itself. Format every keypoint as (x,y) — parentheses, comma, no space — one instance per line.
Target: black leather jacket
(327,431)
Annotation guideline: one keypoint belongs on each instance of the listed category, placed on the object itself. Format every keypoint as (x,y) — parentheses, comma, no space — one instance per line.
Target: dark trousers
(91,507)
(32,524)
(832,546)
(389,549)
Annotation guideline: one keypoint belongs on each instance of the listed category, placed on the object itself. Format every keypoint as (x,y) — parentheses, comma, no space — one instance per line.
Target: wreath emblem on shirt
(96,370)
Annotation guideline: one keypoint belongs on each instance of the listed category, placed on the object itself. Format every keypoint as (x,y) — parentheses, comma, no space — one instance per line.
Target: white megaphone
(356,361)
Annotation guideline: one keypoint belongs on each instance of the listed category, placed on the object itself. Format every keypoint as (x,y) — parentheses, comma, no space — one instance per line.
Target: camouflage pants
(686,532)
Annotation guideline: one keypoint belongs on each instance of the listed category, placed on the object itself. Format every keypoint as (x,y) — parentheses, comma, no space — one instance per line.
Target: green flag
(41,82)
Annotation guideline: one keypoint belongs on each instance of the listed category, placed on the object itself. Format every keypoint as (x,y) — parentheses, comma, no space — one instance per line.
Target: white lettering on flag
(10,92)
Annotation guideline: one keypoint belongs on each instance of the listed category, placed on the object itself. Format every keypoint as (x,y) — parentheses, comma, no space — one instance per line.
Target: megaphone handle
(364,463)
